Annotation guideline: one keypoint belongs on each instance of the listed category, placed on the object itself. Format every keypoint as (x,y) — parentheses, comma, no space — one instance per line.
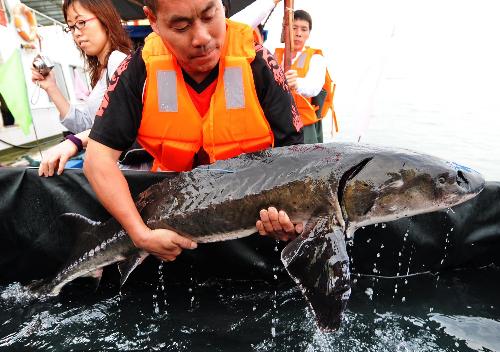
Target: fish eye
(442,180)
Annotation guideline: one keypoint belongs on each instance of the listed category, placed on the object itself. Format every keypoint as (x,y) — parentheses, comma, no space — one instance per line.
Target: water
(460,314)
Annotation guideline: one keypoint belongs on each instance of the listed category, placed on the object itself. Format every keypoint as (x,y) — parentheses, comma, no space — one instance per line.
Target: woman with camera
(104,44)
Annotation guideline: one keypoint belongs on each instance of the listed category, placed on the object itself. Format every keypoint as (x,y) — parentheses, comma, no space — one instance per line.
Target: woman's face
(92,38)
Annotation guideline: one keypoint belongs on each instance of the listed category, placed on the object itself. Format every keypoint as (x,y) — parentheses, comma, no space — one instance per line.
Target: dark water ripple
(457,311)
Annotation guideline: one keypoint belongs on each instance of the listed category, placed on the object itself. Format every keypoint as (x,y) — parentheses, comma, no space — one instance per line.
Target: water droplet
(369,292)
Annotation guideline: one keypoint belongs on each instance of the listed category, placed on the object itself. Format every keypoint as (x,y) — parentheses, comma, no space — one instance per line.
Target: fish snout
(470,180)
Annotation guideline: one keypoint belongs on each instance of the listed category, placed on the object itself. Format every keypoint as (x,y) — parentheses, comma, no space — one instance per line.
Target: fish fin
(317,261)
(128,265)
(96,275)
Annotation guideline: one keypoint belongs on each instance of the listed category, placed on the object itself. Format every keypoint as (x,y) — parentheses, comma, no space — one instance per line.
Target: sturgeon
(333,189)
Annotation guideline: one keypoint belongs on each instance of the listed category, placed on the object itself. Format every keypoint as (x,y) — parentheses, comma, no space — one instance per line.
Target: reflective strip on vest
(233,88)
(167,91)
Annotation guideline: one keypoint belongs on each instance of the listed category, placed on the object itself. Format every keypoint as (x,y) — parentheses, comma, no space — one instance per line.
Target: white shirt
(81,117)
(311,84)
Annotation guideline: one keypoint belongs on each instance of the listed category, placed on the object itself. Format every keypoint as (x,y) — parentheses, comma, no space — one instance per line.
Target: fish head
(389,186)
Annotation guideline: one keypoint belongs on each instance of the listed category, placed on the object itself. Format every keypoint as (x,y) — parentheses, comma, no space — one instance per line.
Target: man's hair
(227,7)
(152,4)
(303,15)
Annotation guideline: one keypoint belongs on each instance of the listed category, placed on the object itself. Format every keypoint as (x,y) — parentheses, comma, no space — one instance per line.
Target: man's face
(193,30)
(301,33)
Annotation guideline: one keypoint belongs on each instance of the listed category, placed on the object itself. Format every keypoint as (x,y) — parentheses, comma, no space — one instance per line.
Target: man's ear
(152,19)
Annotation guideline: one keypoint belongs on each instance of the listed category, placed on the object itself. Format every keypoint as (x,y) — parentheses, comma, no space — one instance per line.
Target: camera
(42,64)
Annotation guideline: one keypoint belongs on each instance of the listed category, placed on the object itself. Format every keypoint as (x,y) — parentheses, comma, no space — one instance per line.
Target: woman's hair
(118,39)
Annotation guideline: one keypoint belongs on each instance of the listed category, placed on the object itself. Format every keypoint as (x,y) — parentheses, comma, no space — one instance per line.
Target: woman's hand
(56,157)
(278,225)
(45,82)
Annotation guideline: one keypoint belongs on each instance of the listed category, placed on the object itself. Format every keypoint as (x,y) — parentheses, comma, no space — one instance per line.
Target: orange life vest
(307,111)
(173,131)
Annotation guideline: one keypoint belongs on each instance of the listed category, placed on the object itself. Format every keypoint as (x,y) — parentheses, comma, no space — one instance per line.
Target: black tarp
(33,243)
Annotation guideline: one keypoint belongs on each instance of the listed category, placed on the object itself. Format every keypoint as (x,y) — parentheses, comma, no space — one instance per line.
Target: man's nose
(201,35)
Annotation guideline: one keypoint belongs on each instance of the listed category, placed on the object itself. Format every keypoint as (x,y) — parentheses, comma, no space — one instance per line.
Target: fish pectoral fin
(96,275)
(128,265)
(317,261)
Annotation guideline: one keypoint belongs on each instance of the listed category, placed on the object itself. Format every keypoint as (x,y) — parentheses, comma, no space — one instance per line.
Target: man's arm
(108,182)
(280,110)
(311,84)
(255,13)
(275,99)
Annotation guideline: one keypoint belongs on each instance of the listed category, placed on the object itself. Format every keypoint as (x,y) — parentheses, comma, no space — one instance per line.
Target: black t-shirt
(118,119)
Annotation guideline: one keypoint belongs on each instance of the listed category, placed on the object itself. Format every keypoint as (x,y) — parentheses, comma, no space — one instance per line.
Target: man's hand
(278,225)
(164,244)
(291,78)
(56,157)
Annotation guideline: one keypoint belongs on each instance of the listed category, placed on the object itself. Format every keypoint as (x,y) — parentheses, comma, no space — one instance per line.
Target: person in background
(308,78)
(98,33)
(199,90)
